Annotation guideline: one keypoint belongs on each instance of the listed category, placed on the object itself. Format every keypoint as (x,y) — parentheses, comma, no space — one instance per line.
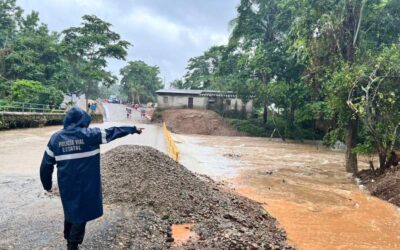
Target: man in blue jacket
(76,151)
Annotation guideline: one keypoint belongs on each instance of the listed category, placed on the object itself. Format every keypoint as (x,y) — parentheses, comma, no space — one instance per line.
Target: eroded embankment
(148,183)
(385,186)
(193,121)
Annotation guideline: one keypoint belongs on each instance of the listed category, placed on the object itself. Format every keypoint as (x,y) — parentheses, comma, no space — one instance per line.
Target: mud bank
(385,186)
(202,122)
(144,179)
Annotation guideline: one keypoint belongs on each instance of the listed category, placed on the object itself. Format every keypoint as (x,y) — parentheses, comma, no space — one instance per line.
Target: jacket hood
(76,118)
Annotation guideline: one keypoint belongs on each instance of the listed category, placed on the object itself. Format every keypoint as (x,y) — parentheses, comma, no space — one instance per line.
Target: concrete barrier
(171,146)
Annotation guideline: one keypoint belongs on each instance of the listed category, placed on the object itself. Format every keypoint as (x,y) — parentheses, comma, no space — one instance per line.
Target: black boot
(72,246)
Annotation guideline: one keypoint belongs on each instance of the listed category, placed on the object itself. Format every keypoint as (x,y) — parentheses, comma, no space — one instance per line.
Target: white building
(201,99)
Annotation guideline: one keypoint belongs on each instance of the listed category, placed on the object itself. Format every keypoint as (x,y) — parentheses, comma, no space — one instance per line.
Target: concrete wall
(238,103)
(180,101)
(199,102)
(10,120)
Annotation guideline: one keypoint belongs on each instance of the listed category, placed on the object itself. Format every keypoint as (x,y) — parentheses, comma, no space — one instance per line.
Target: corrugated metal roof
(179,91)
(208,93)
(214,93)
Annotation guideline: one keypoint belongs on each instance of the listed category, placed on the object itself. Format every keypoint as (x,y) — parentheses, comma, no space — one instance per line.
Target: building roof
(208,93)
(179,91)
(213,93)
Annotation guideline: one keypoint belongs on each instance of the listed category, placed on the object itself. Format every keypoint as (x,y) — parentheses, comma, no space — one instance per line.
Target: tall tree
(10,16)
(88,47)
(202,71)
(140,81)
(34,52)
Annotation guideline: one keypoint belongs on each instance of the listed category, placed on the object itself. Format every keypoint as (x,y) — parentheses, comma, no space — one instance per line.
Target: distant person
(128,113)
(93,107)
(143,112)
(75,150)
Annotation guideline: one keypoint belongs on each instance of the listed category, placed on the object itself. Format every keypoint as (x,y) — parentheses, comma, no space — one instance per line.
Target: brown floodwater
(182,233)
(303,186)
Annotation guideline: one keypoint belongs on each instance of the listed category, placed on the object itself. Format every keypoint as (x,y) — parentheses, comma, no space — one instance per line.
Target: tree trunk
(131,96)
(351,133)
(382,161)
(265,113)
(351,142)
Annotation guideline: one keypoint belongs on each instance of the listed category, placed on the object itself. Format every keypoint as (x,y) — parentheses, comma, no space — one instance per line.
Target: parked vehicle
(113,99)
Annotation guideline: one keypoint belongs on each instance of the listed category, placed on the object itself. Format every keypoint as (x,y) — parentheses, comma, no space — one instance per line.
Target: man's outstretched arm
(98,136)
(110,134)
(47,168)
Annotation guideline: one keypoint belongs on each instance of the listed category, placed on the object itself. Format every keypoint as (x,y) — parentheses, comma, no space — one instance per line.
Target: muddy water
(182,233)
(304,186)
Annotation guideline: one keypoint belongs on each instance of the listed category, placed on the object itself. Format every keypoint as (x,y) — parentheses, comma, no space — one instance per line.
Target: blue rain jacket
(76,151)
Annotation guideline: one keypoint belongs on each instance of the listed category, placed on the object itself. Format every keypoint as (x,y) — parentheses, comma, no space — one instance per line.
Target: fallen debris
(144,179)
(385,186)
(232,156)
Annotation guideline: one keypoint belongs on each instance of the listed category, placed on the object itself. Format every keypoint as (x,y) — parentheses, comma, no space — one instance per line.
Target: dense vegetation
(315,69)
(329,67)
(39,66)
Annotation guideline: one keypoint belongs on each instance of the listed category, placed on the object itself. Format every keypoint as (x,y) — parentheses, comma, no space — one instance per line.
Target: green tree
(88,47)
(34,52)
(377,102)
(10,16)
(202,71)
(27,91)
(177,84)
(140,81)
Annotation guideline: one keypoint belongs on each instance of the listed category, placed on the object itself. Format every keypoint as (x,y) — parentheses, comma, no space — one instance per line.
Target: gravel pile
(144,179)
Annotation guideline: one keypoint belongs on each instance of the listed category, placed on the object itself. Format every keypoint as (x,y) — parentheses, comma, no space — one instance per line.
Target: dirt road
(304,186)
(29,219)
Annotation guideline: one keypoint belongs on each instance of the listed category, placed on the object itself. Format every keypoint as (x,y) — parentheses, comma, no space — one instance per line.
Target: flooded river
(304,186)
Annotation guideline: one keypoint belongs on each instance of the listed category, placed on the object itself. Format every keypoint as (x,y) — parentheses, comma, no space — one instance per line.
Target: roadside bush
(27,91)
(255,127)
(248,127)
(35,92)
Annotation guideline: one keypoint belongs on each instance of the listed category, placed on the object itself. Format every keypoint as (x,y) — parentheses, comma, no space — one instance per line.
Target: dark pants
(74,233)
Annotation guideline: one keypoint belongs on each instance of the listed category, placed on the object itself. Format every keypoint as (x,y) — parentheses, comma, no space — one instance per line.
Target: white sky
(163,32)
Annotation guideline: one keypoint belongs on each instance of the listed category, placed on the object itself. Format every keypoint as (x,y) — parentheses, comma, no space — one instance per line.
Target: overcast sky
(163,32)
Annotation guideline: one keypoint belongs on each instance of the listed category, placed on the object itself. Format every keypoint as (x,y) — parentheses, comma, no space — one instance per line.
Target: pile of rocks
(144,179)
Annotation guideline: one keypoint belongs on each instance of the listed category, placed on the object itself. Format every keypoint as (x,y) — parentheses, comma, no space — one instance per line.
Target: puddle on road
(306,188)
(182,233)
